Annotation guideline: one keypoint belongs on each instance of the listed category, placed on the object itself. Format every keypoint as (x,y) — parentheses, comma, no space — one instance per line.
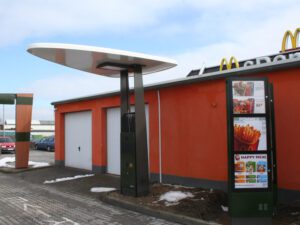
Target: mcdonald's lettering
(293,37)
(267,59)
(257,61)
(229,65)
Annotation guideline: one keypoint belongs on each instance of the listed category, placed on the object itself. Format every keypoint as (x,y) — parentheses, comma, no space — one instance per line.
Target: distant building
(38,127)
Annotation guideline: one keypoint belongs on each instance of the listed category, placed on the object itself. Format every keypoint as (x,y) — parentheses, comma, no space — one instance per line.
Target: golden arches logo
(293,37)
(229,65)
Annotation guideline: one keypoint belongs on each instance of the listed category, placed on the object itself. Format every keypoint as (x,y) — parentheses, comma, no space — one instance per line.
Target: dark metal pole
(273,144)
(124,93)
(125,108)
(141,134)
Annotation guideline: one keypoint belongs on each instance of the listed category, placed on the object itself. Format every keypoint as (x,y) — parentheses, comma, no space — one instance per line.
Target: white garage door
(113,139)
(78,140)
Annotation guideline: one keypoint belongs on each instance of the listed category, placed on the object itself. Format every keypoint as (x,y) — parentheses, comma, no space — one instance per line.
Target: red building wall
(287,123)
(194,128)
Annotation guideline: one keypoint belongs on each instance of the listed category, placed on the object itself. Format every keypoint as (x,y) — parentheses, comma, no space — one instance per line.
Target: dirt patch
(206,204)
(287,215)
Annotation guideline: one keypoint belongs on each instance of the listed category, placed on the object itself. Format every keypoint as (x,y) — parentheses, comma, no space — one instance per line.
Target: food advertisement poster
(250,171)
(248,97)
(250,134)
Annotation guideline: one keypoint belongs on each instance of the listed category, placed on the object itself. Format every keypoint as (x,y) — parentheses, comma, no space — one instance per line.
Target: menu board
(248,115)
(248,97)
(250,171)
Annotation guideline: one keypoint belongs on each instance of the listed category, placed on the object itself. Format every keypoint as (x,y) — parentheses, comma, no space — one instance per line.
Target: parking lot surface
(41,156)
(36,156)
(27,203)
(26,200)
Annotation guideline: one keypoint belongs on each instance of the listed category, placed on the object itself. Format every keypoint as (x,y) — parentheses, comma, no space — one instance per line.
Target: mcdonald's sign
(285,54)
(293,37)
(229,64)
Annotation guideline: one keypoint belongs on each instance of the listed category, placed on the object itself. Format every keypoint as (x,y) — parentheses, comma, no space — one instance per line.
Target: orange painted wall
(194,128)
(287,123)
(98,108)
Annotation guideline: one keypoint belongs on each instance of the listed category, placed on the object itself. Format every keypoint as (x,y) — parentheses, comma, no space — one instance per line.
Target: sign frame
(231,116)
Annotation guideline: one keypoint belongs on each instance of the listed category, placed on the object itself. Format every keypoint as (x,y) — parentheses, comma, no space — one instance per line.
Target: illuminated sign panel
(249,133)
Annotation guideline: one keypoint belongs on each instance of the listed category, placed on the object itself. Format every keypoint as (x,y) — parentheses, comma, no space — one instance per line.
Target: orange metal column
(23,128)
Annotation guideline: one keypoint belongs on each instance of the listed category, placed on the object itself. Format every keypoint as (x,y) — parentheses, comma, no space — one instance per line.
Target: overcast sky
(192,32)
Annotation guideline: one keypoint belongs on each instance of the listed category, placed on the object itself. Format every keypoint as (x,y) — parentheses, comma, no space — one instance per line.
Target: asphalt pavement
(35,155)
(41,156)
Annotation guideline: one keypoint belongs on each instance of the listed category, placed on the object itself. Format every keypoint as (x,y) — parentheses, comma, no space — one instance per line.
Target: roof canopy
(101,61)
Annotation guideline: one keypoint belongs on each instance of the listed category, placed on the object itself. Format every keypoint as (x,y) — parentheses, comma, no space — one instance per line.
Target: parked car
(7,144)
(46,143)
(34,140)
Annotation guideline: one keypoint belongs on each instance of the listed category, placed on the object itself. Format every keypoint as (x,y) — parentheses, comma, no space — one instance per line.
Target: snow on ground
(38,164)
(173,197)
(224,208)
(178,186)
(67,178)
(4,163)
(102,189)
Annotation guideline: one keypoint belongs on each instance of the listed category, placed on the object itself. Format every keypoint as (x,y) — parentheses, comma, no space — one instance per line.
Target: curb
(155,213)
(14,170)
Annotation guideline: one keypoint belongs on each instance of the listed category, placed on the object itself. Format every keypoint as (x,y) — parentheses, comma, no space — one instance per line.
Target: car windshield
(50,138)
(5,139)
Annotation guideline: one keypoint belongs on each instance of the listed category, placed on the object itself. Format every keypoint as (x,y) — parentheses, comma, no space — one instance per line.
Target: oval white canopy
(101,61)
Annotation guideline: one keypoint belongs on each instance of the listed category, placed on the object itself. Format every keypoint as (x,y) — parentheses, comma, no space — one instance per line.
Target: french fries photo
(246,138)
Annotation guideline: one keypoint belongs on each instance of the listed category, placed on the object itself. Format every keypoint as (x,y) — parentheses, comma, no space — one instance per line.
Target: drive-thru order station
(232,126)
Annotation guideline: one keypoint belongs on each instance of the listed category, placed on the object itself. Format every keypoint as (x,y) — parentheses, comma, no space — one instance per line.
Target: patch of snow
(202,198)
(224,208)
(178,186)
(38,164)
(67,178)
(171,203)
(295,213)
(4,163)
(175,196)
(102,189)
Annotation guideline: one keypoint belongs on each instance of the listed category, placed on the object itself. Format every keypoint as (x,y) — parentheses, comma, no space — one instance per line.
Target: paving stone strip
(27,203)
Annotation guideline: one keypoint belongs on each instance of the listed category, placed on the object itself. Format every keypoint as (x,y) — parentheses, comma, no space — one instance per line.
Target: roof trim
(261,68)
